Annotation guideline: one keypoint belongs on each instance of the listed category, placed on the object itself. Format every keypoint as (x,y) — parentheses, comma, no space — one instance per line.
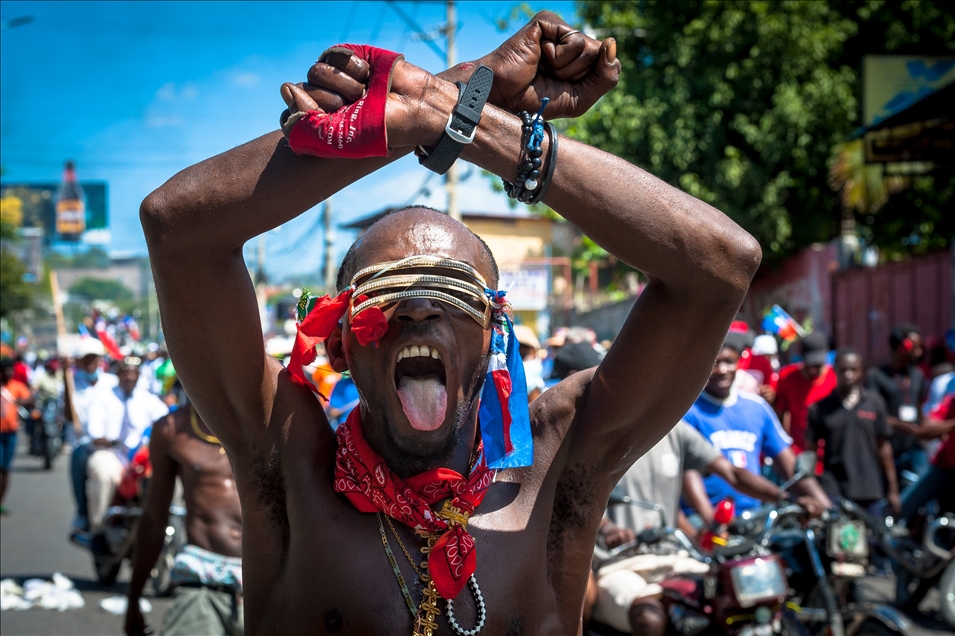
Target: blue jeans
(81,454)
(915,460)
(925,490)
(8,448)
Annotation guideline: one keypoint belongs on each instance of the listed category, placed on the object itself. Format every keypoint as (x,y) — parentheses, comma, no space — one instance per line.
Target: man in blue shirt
(743,427)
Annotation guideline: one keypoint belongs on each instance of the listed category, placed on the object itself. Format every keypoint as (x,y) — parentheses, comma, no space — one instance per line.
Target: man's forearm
(754,485)
(217,205)
(638,218)
(887,458)
(150,535)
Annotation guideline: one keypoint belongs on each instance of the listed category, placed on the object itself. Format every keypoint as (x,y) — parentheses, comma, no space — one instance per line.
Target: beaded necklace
(426,614)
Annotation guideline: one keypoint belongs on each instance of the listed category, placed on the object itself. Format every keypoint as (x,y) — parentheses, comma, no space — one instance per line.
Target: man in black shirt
(852,426)
(903,387)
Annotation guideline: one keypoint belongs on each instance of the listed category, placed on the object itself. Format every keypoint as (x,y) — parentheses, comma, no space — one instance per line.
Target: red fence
(868,302)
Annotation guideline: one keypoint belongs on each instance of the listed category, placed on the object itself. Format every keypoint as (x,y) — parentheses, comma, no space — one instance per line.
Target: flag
(132,327)
(111,348)
(778,322)
(504,416)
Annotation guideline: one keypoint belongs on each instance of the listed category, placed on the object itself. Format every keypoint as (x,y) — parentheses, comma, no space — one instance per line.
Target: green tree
(15,293)
(103,289)
(742,104)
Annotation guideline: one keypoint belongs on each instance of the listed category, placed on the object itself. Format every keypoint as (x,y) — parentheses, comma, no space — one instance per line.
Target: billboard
(527,288)
(38,202)
(892,83)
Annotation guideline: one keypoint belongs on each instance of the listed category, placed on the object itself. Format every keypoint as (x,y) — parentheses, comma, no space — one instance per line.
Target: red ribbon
(362,476)
(368,326)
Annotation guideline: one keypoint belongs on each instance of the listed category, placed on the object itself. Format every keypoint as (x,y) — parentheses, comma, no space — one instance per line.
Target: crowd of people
(519,444)
(882,435)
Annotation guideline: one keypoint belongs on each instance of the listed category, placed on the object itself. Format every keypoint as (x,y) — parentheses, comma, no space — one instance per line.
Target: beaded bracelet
(525,188)
(551,163)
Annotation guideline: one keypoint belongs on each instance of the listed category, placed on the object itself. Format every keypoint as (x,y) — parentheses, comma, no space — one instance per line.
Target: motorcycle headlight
(848,537)
(758,580)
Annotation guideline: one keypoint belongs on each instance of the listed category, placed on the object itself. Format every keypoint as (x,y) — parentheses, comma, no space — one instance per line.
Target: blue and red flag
(505,417)
(778,322)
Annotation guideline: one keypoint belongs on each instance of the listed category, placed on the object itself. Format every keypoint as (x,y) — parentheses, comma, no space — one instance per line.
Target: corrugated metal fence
(868,302)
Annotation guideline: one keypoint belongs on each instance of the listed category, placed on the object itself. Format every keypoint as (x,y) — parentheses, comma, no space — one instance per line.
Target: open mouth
(421,381)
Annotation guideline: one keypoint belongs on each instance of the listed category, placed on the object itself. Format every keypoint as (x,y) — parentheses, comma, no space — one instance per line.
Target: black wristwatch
(462,122)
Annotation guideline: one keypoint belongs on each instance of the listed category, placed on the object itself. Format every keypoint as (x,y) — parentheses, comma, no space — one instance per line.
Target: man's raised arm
(197,222)
(699,264)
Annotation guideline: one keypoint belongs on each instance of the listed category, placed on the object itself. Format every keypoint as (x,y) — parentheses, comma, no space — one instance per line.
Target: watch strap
(462,123)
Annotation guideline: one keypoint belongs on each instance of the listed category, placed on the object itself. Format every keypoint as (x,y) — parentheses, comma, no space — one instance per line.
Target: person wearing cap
(902,385)
(743,426)
(117,419)
(804,383)
(759,361)
(88,379)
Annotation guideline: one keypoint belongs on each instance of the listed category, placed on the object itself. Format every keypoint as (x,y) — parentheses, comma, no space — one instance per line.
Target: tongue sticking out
(424,401)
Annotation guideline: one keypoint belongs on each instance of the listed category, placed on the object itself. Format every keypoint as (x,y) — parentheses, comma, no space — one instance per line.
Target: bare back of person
(313,563)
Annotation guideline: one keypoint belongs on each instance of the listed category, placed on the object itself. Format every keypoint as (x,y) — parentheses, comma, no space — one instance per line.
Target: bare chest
(341,579)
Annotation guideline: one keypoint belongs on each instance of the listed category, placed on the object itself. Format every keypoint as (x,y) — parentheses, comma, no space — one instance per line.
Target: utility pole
(451,178)
(328,270)
(260,260)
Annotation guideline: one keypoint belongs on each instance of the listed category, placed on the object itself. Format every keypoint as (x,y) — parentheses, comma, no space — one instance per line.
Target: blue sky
(136,91)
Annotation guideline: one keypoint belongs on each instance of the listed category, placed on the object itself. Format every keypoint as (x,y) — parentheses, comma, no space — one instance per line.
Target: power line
(427,38)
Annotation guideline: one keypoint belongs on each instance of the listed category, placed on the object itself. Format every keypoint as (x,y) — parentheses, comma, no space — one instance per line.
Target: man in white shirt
(116,421)
(88,379)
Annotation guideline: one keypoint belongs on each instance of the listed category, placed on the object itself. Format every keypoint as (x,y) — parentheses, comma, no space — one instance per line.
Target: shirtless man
(207,573)
(314,563)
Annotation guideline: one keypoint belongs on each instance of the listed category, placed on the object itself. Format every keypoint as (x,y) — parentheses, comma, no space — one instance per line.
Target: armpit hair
(267,473)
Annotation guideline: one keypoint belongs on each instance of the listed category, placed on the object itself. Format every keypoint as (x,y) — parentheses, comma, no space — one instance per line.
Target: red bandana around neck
(362,476)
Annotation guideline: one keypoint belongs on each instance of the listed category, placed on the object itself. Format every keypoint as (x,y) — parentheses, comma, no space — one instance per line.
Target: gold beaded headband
(381,290)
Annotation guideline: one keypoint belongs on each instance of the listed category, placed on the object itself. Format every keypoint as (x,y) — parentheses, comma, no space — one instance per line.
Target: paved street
(33,543)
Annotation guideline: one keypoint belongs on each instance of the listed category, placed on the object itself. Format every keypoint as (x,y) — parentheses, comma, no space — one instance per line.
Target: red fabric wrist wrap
(358,129)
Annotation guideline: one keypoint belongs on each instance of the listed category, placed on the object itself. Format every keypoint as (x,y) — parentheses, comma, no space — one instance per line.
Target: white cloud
(163,121)
(245,79)
(167,92)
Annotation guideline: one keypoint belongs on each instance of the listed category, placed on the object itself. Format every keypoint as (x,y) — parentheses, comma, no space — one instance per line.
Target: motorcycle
(46,430)
(114,541)
(824,559)
(921,565)
(743,593)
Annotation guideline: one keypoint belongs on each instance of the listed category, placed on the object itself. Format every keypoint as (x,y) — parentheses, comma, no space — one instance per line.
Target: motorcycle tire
(106,570)
(946,588)
(874,628)
(161,576)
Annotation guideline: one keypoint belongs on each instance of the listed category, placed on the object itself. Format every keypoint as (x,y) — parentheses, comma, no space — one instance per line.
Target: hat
(814,348)
(525,336)
(736,341)
(574,357)
(90,347)
(765,345)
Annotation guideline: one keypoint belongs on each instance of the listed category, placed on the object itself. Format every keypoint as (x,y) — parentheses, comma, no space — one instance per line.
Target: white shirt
(84,393)
(107,409)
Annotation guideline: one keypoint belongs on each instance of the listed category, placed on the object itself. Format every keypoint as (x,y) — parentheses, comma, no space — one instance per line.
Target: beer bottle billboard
(70,206)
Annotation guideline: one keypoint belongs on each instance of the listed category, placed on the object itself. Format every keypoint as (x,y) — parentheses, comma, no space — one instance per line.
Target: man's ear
(335,349)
